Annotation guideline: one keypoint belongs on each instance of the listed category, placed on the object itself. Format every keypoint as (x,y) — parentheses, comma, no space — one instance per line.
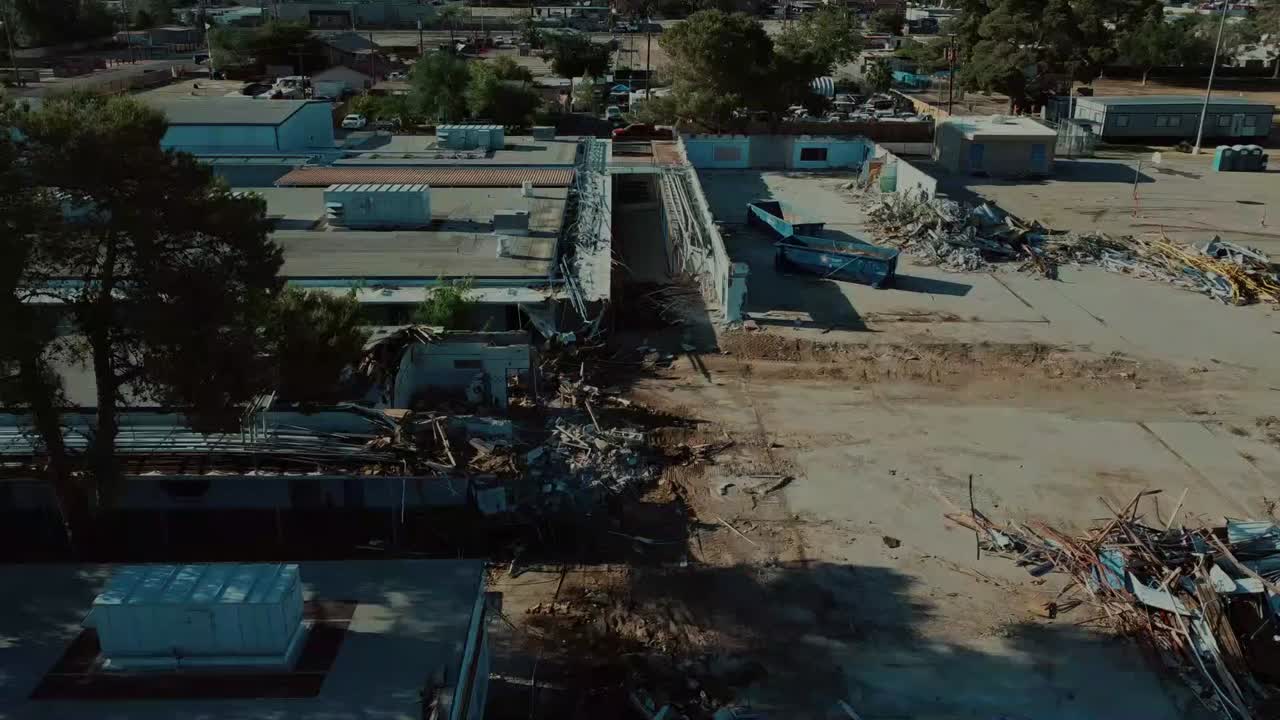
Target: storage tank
(378,206)
(225,614)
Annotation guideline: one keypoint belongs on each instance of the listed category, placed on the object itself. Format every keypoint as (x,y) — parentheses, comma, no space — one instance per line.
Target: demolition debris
(1205,601)
(960,237)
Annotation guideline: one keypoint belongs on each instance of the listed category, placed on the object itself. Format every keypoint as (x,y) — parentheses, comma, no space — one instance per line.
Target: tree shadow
(791,639)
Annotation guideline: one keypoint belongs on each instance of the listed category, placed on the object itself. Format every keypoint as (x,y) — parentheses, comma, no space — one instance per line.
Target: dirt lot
(816,565)
(1260,89)
(802,558)
(795,553)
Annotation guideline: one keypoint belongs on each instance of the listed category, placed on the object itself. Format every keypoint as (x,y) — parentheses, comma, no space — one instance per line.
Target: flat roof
(1168,100)
(395,254)
(409,619)
(423,150)
(974,126)
(225,110)
(436,177)
(456,209)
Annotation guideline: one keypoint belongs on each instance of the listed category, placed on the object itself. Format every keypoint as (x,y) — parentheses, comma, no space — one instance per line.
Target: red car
(642,131)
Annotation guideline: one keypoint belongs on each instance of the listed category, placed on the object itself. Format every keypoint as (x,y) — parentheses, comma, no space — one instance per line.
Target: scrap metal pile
(961,237)
(1205,601)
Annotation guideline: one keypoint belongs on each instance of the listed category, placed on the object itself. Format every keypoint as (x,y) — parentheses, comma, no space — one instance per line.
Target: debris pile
(614,460)
(1230,273)
(952,235)
(1206,601)
(960,237)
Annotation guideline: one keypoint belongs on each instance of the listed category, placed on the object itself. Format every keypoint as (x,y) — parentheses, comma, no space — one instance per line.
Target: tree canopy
(574,55)
(822,39)
(1156,42)
(312,338)
(1027,48)
(500,90)
(52,22)
(887,20)
(439,86)
(162,278)
(720,62)
(879,77)
(723,63)
(275,43)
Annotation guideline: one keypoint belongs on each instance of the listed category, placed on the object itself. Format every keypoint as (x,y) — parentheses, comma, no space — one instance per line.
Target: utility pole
(1208,90)
(421,48)
(128,31)
(951,71)
(372,75)
(7,21)
(648,47)
(208,39)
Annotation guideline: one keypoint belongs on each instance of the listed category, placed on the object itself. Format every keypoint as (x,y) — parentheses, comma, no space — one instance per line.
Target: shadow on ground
(792,639)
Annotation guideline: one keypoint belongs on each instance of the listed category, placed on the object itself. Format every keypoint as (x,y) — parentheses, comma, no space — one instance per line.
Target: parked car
(398,75)
(642,131)
(354,121)
(386,124)
(613,113)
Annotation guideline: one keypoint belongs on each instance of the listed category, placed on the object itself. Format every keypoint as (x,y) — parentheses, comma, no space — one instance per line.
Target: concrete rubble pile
(960,237)
(1205,601)
(592,459)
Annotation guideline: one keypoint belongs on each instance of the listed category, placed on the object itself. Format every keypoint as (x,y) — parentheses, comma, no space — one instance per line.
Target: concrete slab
(1085,308)
(1181,196)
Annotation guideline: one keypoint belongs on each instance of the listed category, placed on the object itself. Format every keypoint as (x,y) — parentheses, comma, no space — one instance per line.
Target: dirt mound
(940,362)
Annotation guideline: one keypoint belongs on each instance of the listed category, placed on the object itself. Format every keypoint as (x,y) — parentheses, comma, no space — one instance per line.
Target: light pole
(1204,109)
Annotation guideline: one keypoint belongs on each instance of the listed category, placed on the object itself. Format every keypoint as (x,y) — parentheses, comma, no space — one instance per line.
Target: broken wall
(459,364)
(696,240)
(910,180)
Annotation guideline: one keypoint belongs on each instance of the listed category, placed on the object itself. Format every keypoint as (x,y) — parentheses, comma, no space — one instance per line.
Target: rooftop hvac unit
(470,137)
(526,189)
(511,222)
(217,615)
(378,206)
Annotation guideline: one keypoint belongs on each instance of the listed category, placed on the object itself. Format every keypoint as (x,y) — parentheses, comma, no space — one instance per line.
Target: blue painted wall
(765,151)
(841,152)
(735,151)
(310,127)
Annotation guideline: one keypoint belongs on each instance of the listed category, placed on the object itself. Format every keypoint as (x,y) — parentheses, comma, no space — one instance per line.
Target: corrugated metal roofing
(434,176)
(347,187)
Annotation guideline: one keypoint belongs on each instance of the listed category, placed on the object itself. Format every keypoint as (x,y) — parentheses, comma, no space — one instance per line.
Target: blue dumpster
(803,247)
